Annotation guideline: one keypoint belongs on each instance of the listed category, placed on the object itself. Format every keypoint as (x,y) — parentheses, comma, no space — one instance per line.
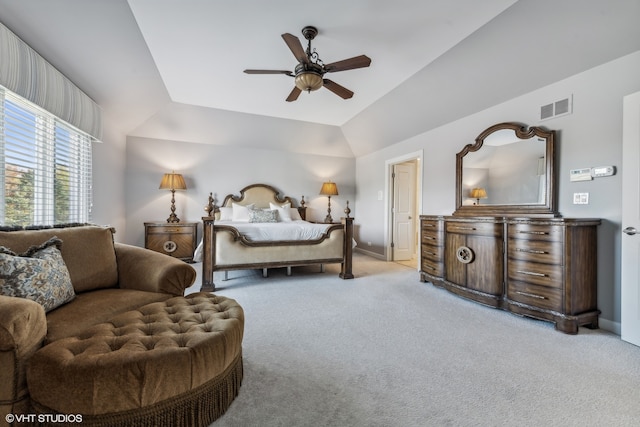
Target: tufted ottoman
(176,362)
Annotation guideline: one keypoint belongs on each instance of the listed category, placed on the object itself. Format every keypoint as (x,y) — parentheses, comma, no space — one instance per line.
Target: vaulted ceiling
(151,62)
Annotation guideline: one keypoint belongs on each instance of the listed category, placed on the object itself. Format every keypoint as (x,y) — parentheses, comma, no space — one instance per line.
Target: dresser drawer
(535,295)
(551,233)
(548,275)
(432,237)
(475,228)
(431,224)
(434,268)
(548,252)
(173,229)
(431,252)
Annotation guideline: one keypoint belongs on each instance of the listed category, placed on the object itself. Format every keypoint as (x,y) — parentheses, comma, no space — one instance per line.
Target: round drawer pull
(169,246)
(464,254)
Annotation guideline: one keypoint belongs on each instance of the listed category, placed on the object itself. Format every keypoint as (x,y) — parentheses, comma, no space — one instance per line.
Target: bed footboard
(236,253)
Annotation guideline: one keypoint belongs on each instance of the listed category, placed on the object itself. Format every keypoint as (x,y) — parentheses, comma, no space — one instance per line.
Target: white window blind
(46,171)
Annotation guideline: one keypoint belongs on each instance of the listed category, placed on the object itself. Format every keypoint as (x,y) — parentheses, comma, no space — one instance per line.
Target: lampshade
(172,181)
(478,193)
(329,189)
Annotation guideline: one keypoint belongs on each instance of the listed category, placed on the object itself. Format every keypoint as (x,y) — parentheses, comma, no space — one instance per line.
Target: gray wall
(591,136)
(109,171)
(224,170)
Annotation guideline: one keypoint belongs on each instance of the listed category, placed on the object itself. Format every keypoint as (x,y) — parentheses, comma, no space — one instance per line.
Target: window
(46,166)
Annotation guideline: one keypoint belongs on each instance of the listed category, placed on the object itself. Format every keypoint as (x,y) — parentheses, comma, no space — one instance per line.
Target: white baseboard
(371,254)
(609,325)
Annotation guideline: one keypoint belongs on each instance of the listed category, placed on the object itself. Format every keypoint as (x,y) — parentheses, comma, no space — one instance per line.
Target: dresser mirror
(508,171)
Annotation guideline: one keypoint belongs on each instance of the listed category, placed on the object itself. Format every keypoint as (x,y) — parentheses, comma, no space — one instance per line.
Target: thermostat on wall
(580,174)
(599,171)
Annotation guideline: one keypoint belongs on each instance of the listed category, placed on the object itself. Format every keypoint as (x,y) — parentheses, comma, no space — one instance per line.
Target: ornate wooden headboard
(260,195)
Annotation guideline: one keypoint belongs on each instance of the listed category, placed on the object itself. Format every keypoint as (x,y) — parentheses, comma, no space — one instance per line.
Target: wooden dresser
(175,239)
(545,268)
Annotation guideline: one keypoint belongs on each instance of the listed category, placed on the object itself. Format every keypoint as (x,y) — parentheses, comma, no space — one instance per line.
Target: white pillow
(295,214)
(284,214)
(226,214)
(241,213)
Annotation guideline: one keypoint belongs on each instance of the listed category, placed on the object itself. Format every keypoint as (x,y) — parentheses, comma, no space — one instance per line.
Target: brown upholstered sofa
(108,279)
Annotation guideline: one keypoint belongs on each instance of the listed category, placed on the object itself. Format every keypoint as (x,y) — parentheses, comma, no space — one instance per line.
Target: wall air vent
(556,109)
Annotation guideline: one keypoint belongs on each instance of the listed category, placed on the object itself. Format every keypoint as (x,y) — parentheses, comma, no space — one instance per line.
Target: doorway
(402,208)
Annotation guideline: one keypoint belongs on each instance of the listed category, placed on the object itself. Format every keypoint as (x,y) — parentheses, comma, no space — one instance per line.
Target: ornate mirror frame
(545,209)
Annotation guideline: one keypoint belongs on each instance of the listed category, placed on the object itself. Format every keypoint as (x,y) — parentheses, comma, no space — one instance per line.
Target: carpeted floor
(385,349)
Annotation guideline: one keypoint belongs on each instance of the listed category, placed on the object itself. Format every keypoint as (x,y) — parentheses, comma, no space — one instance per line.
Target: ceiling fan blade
(296,47)
(341,91)
(295,93)
(287,72)
(348,64)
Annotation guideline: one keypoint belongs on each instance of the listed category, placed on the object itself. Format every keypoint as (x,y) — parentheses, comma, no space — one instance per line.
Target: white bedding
(278,231)
(272,231)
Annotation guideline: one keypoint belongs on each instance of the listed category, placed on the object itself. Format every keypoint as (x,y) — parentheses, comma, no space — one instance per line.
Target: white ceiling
(202,47)
(146,62)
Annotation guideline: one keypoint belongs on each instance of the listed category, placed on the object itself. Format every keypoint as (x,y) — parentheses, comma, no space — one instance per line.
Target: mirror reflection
(506,171)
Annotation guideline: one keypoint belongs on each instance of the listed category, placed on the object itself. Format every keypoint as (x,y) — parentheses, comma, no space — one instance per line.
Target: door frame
(629,287)
(388,200)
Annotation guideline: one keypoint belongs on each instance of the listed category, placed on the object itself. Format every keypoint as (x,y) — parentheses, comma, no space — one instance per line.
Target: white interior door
(630,269)
(404,188)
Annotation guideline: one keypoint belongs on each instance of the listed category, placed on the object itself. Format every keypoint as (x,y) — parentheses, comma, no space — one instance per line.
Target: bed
(241,234)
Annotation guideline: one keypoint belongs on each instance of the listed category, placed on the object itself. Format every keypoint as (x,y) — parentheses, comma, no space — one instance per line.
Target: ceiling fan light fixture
(308,77)
(310,71)
(309,81)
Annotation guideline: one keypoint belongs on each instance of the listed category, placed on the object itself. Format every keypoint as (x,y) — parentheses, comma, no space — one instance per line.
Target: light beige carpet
(385,349)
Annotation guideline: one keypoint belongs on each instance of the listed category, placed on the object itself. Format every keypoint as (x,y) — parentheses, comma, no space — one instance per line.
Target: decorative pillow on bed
(226,214)
(284,211)
(295,214)
(39,274)
(263,215)
(241,213)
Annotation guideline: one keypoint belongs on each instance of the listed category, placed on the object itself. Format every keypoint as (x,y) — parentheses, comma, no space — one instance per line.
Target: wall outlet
(580,198)
(369,244)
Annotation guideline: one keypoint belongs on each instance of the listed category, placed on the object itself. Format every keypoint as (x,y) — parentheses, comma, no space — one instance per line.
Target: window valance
(25,72)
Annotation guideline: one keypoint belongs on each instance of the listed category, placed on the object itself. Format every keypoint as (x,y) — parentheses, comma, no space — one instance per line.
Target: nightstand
(175,239)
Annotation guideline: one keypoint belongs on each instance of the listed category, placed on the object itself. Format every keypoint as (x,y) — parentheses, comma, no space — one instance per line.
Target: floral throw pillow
(39,274)
(263,215)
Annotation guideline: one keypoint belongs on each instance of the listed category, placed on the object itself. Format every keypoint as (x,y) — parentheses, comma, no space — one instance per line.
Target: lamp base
(328,219)
(173,218)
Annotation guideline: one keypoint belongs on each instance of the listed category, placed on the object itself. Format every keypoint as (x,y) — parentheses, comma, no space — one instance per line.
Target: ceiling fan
(310,71)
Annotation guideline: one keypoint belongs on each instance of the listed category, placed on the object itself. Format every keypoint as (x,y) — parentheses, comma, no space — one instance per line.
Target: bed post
(208,253)
(346,270)
(302,209)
